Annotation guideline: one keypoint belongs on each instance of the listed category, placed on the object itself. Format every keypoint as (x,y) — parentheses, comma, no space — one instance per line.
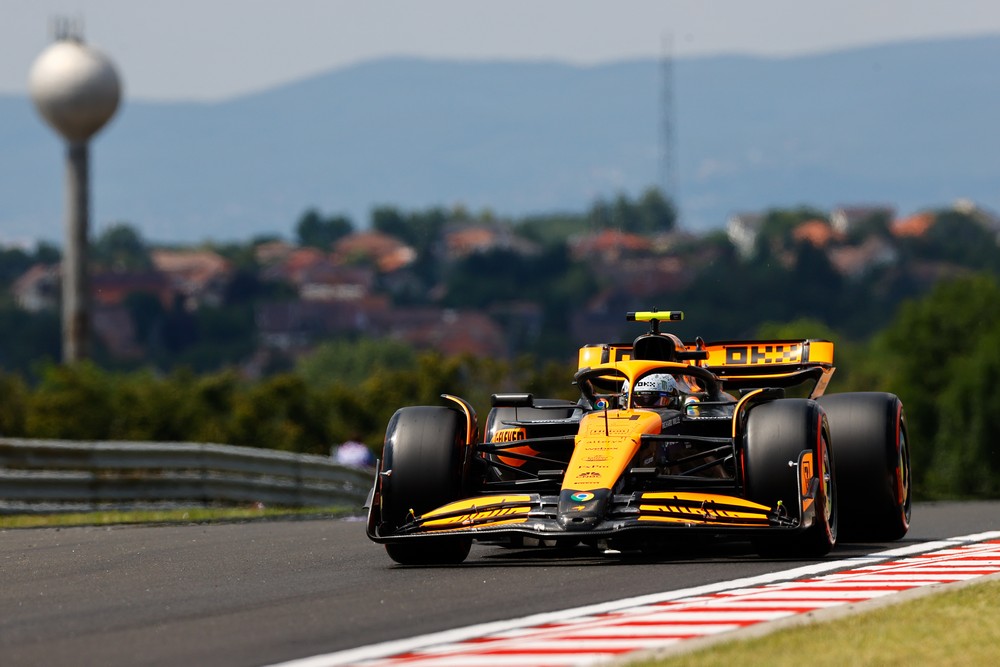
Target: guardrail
(60,475)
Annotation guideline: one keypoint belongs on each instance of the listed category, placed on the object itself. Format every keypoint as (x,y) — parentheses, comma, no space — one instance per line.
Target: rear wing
(743,364)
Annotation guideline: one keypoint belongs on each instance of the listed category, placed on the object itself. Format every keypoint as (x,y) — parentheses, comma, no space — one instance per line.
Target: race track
(262,592)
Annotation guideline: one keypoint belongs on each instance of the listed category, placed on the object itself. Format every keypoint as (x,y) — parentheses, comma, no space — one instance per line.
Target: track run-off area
(318,592)
(600,633)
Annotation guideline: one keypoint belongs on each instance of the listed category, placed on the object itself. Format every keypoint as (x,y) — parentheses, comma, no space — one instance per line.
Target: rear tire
(422,469)
(777,433)
(873,464)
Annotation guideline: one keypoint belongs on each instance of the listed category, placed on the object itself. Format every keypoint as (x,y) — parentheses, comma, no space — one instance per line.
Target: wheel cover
(902,474)
(828,487)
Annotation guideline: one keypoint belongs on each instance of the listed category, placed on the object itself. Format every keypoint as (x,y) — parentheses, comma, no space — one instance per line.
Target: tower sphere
(75,88)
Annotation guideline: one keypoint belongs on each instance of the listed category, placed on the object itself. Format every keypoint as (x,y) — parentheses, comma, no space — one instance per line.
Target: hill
(911,125)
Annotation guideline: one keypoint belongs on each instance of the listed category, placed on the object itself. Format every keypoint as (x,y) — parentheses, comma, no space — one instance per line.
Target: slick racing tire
(422,469)
(873,464)
(776,434)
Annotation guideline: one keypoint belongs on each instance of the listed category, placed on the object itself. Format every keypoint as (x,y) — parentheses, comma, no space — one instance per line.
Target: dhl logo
(510,435)
(753,355)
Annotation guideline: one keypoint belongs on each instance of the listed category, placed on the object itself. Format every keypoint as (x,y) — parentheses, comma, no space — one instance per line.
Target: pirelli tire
(422,468)
(777,433)
(873,464)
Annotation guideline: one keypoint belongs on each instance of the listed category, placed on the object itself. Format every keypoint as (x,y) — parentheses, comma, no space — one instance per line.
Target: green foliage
(652,213)
(420,230)
(14,262)
(28,339)
(315,231)
(71,401)
(776,229)
(937,354)
(552,229)
(13,406)
(956,238)
(349,362)
(120,247)
(965,460)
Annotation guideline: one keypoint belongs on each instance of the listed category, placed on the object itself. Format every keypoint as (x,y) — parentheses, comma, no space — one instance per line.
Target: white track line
(748,588)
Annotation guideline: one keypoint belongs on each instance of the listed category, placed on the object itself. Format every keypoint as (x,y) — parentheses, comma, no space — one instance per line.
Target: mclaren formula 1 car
(668,439)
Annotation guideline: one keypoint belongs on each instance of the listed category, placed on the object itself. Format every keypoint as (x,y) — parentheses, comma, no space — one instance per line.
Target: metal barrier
(60,475)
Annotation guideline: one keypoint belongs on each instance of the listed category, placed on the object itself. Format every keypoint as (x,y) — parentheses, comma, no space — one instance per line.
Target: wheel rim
(828,488)
(903,475)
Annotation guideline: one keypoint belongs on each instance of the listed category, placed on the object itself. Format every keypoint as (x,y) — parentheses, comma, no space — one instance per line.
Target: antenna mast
(668,171)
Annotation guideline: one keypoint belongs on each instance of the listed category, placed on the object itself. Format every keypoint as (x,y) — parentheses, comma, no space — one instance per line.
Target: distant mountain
(913,125)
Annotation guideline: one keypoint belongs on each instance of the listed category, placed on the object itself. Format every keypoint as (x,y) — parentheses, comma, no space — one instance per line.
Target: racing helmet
(658,390)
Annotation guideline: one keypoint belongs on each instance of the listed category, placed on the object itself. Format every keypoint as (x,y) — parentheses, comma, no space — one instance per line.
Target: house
(272,252)
(985,217)
(296,325)
(818,233)
(742,230)
(849,219)
(199,276)
(448,331)
(645,277)
(112,325)
(463,241)
(318,276)
(609,246)
(326,281)
(913,226)
(38,289)
(111,288)
(855,261)
(385,252)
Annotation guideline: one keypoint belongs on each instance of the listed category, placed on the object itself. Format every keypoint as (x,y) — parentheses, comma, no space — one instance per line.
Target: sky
(211,50)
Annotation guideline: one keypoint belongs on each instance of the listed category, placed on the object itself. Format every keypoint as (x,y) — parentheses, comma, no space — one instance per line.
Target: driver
(658,390)
(663,390)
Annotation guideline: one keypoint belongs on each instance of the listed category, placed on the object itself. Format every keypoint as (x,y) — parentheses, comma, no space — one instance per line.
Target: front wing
(536,515)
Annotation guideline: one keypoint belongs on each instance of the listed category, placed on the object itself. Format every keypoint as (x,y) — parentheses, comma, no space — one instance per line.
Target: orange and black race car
(668,439)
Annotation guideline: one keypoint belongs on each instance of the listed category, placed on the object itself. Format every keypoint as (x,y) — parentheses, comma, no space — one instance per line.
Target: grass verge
(955,627)
(186,515)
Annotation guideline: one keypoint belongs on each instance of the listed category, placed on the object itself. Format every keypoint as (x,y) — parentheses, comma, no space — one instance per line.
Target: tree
(923,354)
(317,232)
(121,248)
(655,213)
(349,362)
(965,461)
(388,220)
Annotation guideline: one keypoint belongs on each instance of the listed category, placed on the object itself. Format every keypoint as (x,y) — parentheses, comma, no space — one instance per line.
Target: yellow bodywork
(605,444)
(494,510)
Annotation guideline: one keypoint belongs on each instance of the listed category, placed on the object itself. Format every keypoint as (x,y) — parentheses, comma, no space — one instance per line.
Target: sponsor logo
(750,355)
(510,435)
(582,497)
(588,475)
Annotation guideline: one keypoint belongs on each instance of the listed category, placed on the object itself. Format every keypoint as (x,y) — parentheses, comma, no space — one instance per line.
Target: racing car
(669,439)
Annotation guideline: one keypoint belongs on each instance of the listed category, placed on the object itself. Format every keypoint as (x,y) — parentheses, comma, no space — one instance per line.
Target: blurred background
(303,217)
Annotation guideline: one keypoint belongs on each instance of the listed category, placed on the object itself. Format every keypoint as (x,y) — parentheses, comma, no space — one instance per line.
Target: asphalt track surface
(262,592)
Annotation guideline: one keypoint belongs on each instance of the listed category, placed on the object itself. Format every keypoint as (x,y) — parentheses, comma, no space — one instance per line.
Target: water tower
(76,90)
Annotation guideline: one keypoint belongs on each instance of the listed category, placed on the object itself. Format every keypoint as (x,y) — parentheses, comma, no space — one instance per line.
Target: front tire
(873,461)
(422,468)
(777,433)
